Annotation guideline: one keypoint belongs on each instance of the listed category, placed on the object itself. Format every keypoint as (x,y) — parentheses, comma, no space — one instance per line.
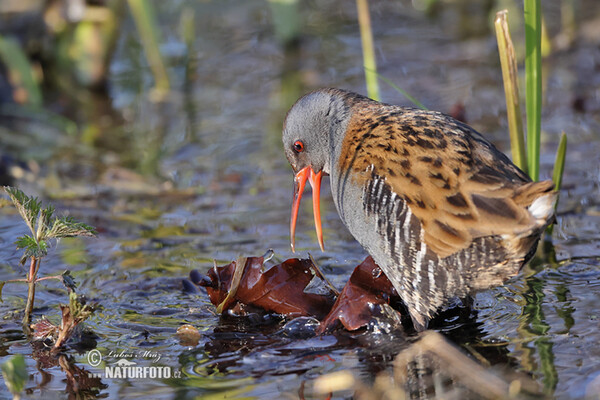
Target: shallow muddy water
(171,185)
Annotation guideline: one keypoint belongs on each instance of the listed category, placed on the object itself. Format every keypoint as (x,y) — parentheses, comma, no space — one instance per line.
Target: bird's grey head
(312,122)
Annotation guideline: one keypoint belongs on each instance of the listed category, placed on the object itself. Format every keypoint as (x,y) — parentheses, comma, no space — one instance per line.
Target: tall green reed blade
(145,21)
(286,20)
(533,79)
(402,91)
(366,35)
(559,162)
(508,63)
(20,71)
(559,168)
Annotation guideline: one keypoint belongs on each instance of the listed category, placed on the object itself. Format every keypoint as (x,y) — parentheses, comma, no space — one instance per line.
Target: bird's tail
(540,199)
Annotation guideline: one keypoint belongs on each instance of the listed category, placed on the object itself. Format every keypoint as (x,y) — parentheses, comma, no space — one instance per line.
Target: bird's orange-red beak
(300,179)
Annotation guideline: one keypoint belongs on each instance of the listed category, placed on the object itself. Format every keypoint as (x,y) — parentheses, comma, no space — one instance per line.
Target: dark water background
(173,184)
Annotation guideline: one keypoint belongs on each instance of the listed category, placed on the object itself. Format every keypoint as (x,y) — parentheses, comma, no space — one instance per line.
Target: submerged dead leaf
(293,288)
(43,329)
(298,288)
(364,300)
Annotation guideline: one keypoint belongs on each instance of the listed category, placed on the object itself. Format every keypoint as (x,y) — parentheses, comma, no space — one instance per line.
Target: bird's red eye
(298,146)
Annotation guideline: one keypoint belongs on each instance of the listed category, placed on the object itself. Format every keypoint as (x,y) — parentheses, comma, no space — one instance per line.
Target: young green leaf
(14,372)
(68,227)
(44,222)
(28,207)
(25,242)
(31,247)
(80,310)
(35,246)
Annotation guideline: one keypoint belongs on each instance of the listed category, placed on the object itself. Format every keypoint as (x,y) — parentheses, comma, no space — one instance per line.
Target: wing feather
(455,182)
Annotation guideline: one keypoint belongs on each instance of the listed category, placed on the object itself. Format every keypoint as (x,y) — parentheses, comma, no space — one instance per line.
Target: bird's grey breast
(381,221)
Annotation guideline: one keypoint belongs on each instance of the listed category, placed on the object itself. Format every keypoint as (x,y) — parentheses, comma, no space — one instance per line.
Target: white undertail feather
(543,207)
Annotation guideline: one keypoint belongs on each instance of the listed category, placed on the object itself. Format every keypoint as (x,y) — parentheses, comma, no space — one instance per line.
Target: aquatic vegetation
(366,35)
(44,228)
(20,73)
(15,375)
(145,20)
(533,80)
(559,164)
(410,97)
(508,63)
(526,153)
(72,315)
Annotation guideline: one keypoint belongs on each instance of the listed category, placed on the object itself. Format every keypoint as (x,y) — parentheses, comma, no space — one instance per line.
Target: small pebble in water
(188,335)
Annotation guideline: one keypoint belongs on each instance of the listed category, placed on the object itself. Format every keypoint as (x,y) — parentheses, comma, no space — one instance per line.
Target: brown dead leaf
(43,329)
(73,314)
(365,297)
(243,286)
(285,288)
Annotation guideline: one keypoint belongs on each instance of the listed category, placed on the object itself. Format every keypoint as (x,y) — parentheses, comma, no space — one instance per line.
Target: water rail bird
(440,209)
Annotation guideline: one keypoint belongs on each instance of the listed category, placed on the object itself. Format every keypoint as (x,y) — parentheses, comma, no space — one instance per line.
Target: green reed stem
(399,89)
(508,63)
(286,20)
(559,168)
(366,36)
(147,26)
(533,79)
(31,281)
(20,71)
(559,163)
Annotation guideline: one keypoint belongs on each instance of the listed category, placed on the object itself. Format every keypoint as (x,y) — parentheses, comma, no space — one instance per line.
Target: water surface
(172,185)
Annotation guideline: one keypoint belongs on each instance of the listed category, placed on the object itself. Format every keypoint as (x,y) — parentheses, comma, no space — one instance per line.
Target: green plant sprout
(44,227)
(73,314)
(14,372)
(145,20)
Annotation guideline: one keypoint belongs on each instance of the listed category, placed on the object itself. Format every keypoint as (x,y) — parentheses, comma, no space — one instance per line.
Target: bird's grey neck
(339,114)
